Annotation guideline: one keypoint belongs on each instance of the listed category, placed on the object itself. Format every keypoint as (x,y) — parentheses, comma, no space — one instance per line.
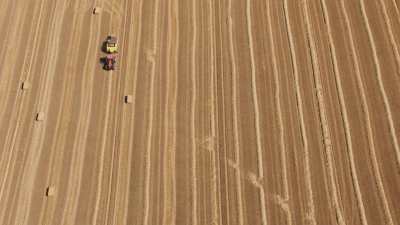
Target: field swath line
(5,161)
(396,7)
(378,73)
(112,212)
(256,112)
(74,179)
(387,107)
(5,8)
(293,53)
(169,212)
(8,34)
(122,186)
(362,90)
(59,141)
(105,131)
(193,111)
(133,63)
(365,110)
(321,106)
(7,150)
(220,85)
(45,95)
(235,113)
(216,198)
(364,105)
(389,27)
(152,60)
(279,113)
(13,39)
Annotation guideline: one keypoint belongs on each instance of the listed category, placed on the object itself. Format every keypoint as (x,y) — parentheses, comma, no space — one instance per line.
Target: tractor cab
(111,44)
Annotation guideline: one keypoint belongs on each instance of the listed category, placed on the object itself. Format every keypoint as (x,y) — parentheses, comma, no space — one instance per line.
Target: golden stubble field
(243,112)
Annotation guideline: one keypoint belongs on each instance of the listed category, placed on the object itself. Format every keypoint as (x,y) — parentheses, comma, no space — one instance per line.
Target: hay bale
(50,191)
(40,116)
(128,99)
(26,85)
(96,10)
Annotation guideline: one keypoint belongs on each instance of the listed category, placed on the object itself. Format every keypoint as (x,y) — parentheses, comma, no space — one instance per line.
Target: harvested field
(239,112)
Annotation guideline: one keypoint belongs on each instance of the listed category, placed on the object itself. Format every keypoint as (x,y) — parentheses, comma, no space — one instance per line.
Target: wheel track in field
(119,201)
(135,75)
(152,59)
(75,172)
(214,155)
(256,113)
(116,148)
(193,112)
(322,110)
(293,53)
(223,121)
(235,113)
(169,214)
(106,119)
(279,112)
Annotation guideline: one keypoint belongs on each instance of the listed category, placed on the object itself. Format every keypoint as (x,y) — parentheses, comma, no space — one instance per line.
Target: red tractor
(109,62)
